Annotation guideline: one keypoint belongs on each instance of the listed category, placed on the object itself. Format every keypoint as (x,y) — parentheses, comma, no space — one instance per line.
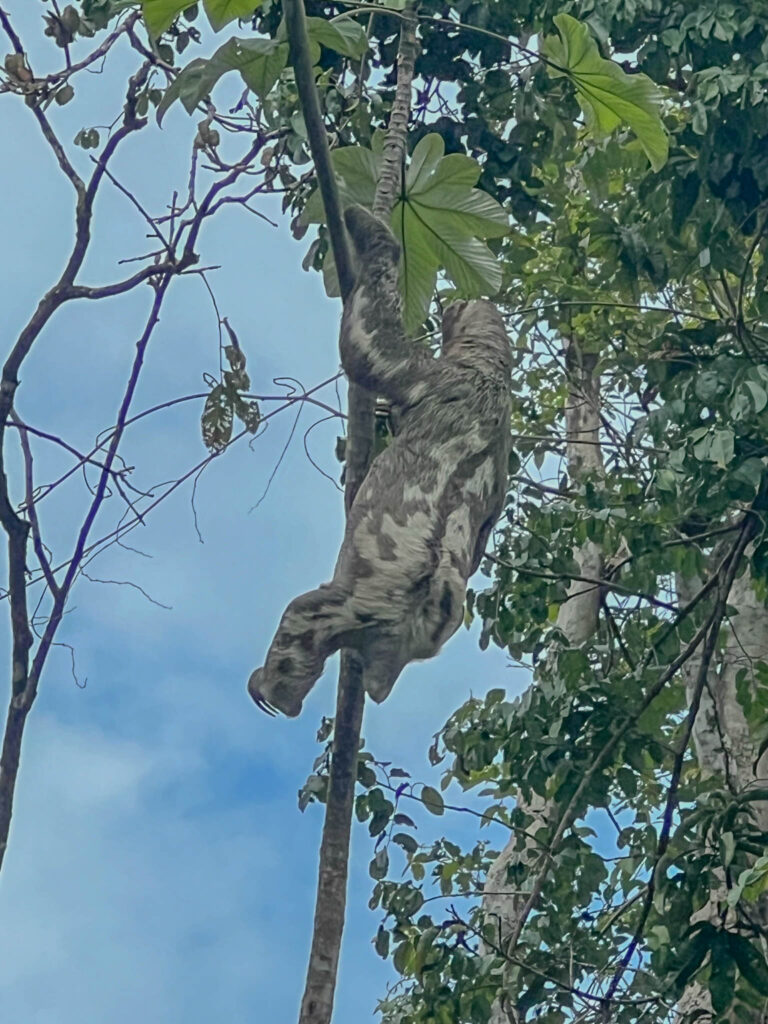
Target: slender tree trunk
(721,736)
(330,906)
(578,619)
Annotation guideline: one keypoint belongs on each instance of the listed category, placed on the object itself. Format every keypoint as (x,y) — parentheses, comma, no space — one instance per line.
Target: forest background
(633,279)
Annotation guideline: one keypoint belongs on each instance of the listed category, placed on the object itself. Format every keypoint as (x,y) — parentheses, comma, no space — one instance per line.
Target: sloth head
(474,335)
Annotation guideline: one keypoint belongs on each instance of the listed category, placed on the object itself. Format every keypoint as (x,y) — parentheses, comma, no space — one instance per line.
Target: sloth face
(473,331)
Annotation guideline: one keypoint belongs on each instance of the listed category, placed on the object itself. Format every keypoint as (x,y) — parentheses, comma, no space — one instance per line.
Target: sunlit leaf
(439,222)
(418,266)
(159,15)
(607,95)
(221,12)
(424,161)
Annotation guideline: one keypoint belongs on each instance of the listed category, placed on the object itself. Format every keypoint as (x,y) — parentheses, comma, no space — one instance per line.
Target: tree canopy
(601,169)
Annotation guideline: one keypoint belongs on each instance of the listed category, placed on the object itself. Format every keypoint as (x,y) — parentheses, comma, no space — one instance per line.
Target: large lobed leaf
(607,95)
(439,221)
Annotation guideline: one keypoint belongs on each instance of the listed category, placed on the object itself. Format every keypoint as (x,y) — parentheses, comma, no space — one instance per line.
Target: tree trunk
(578,620)
(721,734)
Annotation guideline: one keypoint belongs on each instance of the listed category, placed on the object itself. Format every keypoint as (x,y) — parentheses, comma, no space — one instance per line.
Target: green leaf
(357,169)
(190,86)
(418,266)
(722,979)
(471,211)
(439,222)
(159,15)
(750,961)
(221,12)
(454,169)
(721,449)
(424,161)
(344,36)
(468,262)
(259,62)
(607,95)
(432,800)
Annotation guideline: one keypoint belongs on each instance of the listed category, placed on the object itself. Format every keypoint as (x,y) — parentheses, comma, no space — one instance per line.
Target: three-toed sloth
(418,526)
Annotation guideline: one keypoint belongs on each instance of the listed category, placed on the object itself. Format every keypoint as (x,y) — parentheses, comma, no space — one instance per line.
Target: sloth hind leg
(420,634)
(439,616)
(383,661)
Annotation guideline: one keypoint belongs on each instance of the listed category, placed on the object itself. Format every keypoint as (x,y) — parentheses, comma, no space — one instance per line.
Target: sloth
(418,526)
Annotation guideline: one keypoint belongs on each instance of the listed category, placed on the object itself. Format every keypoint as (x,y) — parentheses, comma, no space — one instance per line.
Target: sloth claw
(257,696)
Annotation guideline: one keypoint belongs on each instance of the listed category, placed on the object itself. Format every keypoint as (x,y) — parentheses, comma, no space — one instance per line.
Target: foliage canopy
(644,243)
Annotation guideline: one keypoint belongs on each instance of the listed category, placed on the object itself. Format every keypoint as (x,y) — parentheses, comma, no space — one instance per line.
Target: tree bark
(578,619)
(330,907)
(721,735)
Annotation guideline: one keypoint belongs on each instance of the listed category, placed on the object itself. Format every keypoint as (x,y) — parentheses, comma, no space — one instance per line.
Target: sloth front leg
(308,634)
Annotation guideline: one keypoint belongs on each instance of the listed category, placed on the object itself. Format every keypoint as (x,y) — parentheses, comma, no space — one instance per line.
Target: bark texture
(578,619)
(721,735)
(330,907)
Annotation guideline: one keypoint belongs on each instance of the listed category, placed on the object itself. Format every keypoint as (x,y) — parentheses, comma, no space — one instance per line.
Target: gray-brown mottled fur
(419,524)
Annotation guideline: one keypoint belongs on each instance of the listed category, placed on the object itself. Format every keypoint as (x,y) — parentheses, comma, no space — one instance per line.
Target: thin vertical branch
(390,183)
(296,25)
(330,908)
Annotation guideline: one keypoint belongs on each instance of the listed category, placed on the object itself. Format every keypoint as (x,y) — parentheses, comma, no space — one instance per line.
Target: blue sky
(159,869)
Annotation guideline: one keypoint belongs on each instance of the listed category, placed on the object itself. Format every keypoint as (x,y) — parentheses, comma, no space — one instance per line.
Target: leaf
(403,819)
(159,15)
(695,950)
(358,170)
(191,85)
(381,943)
(727,847)
(439,222)
(721,448)
(407,842)
(607,95)
(722,980)
(259,62)
(454,169)
(424,161)
(472,211)
(344,36)
(469,262)
(247,411)
(217,419)
(750,961)
(432,800)
(221,12)
(418,267)
(64,94)
(380,864)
